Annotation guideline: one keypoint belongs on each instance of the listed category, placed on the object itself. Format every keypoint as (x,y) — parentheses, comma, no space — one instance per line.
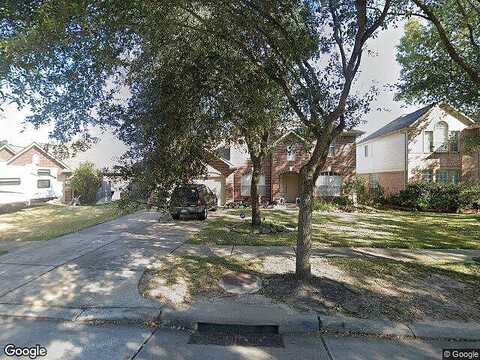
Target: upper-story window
(440,136)
(291,153)
(35,159)
(43,172)
(224,152)
(365,150)
(440,139)
(454,140)
(428,141)
(331,149)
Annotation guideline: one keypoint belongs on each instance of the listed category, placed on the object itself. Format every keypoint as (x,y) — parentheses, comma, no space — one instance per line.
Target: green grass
(201,274)
(390,229)
(48,221)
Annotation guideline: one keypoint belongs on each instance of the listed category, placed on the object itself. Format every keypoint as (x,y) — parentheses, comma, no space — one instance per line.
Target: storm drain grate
(242,335)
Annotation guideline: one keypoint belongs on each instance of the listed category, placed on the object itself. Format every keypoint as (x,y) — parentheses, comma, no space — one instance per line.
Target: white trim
(284,136)
(8,148)
(380,171)
(35,145)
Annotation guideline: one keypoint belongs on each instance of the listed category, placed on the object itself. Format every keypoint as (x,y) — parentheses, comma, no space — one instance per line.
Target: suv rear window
(185,195)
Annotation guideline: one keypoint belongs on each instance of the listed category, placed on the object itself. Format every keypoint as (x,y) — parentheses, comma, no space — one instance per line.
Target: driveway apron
(94,268)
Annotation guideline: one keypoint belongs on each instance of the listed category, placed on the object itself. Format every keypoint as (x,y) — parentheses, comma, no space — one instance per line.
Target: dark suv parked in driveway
(192,199)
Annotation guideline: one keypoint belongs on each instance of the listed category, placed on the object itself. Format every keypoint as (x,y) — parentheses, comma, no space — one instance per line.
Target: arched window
(246,182)
(290,153)
(440,136)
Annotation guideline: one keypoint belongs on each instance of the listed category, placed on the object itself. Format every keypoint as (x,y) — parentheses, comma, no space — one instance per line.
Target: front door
(290,187)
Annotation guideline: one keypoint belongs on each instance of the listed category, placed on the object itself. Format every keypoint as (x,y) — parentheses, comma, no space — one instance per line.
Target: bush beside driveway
(381,229)
(47,221)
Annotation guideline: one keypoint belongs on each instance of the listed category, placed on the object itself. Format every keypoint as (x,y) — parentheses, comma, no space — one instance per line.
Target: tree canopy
(440,54)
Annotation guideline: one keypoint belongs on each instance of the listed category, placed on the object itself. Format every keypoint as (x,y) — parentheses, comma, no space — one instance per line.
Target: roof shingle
(399,123)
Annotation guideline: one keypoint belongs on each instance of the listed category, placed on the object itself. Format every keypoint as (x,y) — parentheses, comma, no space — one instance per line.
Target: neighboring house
(229,172)
(30,173)
(423,145)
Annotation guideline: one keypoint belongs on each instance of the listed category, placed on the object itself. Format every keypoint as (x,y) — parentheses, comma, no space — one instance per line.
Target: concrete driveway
(94,272)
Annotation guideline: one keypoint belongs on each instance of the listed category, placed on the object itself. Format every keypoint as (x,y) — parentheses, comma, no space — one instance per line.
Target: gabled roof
(399,123)
(287,134)
(407,120)
(8,148)
(39,148)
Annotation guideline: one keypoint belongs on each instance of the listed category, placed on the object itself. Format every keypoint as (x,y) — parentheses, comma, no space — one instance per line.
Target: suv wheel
(175,216)
(203,215)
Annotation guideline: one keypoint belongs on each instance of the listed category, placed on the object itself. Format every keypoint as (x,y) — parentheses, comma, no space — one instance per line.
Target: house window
(224,152)
(246,183)
(331,149)
(329,184)
(365,150)
(35,159)
(427,175)
(440,137)
(373,181)
(290,153)
(43,184)
(447,176)
(10,181)
(43,172)
(428,141)
(454,140)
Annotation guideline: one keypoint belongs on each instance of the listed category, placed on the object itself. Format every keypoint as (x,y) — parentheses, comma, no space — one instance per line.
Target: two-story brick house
(229,172)
(424,145)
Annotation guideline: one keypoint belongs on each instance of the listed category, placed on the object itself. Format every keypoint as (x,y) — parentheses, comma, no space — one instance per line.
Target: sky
(381,69)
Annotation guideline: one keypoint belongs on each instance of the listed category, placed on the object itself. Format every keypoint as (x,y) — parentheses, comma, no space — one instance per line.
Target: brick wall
(5,155)
(44,160)
(237,180)
(391,182)
(342,161)
(470,162)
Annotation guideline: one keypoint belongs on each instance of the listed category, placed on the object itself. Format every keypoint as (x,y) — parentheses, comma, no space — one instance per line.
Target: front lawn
(359,287)
(392,229)
(47,221)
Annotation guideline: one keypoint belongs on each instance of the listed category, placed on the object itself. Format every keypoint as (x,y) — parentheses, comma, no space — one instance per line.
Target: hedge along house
(426,145)
(230,170)
(30,173)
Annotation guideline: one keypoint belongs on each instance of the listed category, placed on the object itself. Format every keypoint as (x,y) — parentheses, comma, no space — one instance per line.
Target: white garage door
(217,185)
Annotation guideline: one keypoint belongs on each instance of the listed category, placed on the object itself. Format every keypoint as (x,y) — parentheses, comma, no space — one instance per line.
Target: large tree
(313,50)
(60,56)
(440,54)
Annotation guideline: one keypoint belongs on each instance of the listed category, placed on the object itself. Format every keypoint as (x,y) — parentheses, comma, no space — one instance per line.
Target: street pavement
(73,341)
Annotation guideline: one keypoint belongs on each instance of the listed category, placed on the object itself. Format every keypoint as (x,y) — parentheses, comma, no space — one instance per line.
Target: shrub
(332,203)
(425,196)
(85,182)
(365,195)
(470,196)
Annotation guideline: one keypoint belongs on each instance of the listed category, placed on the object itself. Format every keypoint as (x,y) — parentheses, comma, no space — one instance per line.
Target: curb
(286,322)
(117,315)
(438,330)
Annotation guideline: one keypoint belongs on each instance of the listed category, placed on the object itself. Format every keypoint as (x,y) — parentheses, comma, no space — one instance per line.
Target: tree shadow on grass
(370,288)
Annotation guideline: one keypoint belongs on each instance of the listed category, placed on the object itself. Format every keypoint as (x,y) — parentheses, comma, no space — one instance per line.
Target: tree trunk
(256,216)
(304,239)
